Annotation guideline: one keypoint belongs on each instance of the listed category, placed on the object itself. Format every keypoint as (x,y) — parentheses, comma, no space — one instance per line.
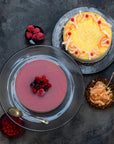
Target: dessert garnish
(89,32)
(98,94)
(34,34)
(8,127)
(40,85)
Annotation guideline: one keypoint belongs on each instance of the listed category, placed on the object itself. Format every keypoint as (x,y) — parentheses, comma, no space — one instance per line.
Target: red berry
(45,81)
(30,28)
(36,78)
(28,35)
(91,54)
(99,22)
(86,15)
(34,91)
(49,85)
(9,128)
(40,36)
(107,42)
(42,86)
(34,37)
(43,77)
(69,33)
(41,92)
(76,52)
(72,19)
(36,30)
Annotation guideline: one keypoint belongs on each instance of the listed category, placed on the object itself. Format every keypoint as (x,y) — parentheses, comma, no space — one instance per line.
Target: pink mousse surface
(53,97)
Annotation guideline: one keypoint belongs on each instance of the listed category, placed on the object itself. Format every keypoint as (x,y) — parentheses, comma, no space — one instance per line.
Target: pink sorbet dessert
(53,97)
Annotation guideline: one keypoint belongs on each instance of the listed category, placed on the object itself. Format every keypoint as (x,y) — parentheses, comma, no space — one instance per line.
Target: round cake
(50,85)
(87,36)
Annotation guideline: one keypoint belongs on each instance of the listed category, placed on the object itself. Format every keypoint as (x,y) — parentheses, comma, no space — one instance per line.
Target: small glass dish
(75,90)
(91,85)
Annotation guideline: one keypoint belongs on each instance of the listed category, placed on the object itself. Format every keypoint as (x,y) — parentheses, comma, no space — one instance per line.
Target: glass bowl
(75,87)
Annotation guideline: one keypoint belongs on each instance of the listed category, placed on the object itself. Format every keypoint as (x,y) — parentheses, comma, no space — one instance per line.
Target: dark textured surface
(90,126)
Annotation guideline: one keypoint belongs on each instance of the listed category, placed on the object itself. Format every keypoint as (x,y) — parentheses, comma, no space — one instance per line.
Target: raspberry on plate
(30,28)
(28,35)
(40,36)
(34,34)
(36,30)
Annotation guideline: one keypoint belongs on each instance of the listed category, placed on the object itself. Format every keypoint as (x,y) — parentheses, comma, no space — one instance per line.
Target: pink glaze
(53,97)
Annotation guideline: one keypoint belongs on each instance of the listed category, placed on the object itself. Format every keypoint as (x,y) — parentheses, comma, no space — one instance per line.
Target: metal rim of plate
(86,68)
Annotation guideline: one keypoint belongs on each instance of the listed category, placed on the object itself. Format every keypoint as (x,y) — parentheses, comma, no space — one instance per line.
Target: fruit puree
(53,97)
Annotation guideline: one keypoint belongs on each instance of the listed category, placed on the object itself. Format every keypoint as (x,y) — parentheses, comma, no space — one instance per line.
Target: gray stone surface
(89,126)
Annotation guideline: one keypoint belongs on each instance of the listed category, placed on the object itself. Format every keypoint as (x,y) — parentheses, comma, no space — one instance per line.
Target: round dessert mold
(75,90)
(91,84)
(91,66)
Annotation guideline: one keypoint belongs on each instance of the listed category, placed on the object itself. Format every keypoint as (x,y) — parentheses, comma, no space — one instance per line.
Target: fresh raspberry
(37,78)
(72,19)
(69,33)
(41,92)
(28,35)
(30,28)
(34,91)
(40,36)
(76,52)
(36,30)
(34,37)
(49,85)
(45,81)
(99,22)
(43,77)
(42,86)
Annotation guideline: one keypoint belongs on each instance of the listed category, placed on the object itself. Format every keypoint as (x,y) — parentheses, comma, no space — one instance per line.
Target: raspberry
(34,90)
(28,35)
(72,19)
(49,85)
(41,92)
(43,77)
(36,30)
(40,36)
(36,78)
(34,37)
(45,81)
(30,28)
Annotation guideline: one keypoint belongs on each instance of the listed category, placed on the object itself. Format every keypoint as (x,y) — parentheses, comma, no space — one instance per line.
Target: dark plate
(86,68)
